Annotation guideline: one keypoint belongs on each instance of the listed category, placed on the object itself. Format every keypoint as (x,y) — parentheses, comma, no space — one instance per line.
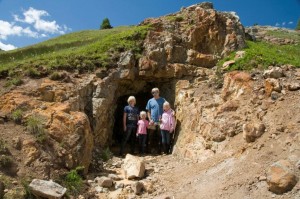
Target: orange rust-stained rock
(235,84)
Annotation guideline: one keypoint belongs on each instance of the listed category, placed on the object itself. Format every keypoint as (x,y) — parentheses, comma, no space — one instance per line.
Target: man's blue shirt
(155,106)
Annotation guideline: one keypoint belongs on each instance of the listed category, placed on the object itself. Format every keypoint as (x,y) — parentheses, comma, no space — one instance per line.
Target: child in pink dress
(142,131)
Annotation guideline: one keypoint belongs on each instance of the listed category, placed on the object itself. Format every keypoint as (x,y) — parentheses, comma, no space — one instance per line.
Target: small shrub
(175,18)
(73,182)
(33,72)
(28,194)
(106,154)
(57,76)
(15,81)
(3,148)
(5,161)
(42,137)
(17,116)
(35,124)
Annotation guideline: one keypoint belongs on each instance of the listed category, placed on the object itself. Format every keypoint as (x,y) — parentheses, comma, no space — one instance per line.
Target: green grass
(17,116)
(83,50)
(36,127)
(261,55)
(174,18)
(284,34)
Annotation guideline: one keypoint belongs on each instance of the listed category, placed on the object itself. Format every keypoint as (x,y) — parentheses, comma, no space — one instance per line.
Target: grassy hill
(84,50)
(261,54)
(87,50)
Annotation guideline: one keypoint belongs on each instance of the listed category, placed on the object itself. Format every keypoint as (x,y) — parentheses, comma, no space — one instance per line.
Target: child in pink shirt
(142,131)
(167,126)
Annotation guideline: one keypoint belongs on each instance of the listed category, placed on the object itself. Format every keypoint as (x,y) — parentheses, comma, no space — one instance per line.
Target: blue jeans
(142,142)
(129,134)
(165,137)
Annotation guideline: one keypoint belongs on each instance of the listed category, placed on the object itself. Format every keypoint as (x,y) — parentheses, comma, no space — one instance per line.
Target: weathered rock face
(208,117)
(197,35)
(67,132)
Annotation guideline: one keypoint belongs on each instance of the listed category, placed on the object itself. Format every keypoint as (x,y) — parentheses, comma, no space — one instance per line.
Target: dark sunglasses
(154,92)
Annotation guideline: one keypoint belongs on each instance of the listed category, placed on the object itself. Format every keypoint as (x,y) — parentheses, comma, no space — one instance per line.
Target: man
(154,110)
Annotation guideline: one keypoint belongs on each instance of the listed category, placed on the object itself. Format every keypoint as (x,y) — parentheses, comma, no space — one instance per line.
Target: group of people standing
(152,128)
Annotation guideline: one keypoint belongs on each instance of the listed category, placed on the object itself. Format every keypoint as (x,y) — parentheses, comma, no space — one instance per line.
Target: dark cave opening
(167,91)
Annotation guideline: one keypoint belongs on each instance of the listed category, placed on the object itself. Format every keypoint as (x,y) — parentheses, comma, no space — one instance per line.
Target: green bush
(106,154)
(3,148)
(5,161)
(15,81)
(17,116)
(58,75)
(73,182)
(33,72)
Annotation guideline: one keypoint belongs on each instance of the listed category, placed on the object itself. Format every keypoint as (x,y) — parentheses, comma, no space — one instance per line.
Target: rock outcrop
(197,35)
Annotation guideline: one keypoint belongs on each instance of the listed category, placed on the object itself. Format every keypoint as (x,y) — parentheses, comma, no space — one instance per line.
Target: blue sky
(26,22)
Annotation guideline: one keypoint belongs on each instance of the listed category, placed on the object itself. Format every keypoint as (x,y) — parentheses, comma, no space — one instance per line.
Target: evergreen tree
(105,24)
(298,25)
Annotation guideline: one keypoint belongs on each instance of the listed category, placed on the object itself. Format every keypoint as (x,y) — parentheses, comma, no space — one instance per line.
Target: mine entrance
(167,91)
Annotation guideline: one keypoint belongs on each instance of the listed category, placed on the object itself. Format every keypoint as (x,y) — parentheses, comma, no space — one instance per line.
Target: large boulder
(281,177)
(134,167)
(46,189)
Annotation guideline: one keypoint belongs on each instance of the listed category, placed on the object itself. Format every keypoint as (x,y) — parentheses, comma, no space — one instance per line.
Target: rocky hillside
(237,133)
